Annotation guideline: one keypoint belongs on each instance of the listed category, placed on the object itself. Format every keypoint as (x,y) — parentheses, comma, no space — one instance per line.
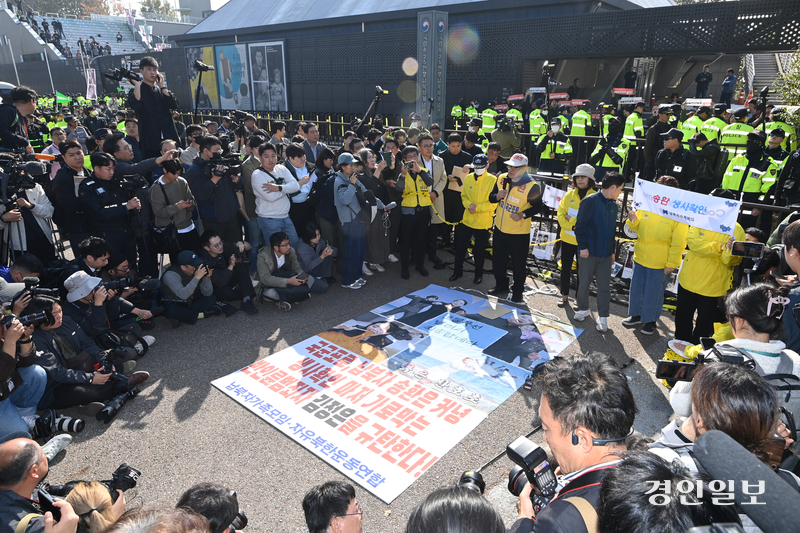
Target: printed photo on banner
(479,380)
(209,95)
(373,336)
(543,243)
(268,75)
(232,76)
(376,426)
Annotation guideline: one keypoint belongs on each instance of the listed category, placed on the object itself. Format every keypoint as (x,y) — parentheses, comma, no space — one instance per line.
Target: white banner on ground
(694,209)
(383,396)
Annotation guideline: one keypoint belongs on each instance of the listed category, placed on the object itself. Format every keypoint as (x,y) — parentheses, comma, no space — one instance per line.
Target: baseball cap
(80,285)
(480,161)
(188,257)
(664,110)
(757,135)
(517,160)
(778,132)
(102,132)
(638,104)
(584,169)
(740,113)
(347,159)
(673,133)
(704,109)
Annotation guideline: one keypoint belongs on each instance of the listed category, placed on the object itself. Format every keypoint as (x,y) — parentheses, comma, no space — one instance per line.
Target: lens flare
(462,45)
(410,66)
(408,91)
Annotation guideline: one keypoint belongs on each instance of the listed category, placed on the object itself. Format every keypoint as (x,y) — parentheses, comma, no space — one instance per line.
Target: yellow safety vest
(712,128)
(581,122)
(515,202)
(416,193)
(476,191)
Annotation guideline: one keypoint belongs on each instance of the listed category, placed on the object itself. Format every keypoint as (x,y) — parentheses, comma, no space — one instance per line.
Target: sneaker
(128,367)
(365,270)
(54,446)
(149,339)
(361,281)
(632,321)
(580,316)
(69,424)
(284,306)
(498,291)
(376,267)
(355,285)
(602,324)
(648,329)
(138,378)
(249,308)
(517,299)
(174,322)
(147,325)
(393,258)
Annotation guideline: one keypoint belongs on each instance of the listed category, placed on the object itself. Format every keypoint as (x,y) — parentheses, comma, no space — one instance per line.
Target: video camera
(131,282)
(236,126)
(119,74)
(18,172)
(199,66)
(131,183)
(532,466)
(124,477)
(232,166)
(32,288)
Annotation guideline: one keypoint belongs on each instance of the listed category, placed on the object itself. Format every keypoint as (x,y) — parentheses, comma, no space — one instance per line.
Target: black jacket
(155,117)
(12,128)
(561,516)
(105,204)
(13,508)
(706,158)
(680,164)
(213,201)
(69,214)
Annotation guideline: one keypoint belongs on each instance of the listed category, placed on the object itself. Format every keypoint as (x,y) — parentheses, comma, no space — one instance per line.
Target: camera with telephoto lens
(119,74)
(130,283)
(232,166)
(115,404)
(19,173)
(32,288)
(532,467)
(45,318)
(124,477)
(240,522)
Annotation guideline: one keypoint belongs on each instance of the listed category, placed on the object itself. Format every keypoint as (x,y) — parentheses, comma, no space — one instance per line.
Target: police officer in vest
(555,149)
(581,127)
(489,119)
(712,128)
(457,113)
(779,121)
(736,135)
(415,184)
(520,198)
(611,151)
(751,175)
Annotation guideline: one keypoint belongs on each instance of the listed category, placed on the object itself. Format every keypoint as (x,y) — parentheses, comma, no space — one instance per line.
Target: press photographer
(585,426)
(507,135)
(153,103)
(214,186)
(13,135)
(231,277)
(217,503)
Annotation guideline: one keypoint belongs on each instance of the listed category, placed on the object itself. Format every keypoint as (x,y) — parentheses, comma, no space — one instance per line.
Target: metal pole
(13,61)
(53,87)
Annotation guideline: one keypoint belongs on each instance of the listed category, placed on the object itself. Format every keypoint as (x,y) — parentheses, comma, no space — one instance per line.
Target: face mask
(415,124)
(754,149)
(479,171)
(555,128)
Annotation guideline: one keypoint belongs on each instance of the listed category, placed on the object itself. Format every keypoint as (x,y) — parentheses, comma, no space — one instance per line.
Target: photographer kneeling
(231,276)
(71,377)
(22,382)
(281,275)
(587,411)
(188,293)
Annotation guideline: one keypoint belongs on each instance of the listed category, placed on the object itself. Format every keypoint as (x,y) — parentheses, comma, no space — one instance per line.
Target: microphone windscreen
(725,459)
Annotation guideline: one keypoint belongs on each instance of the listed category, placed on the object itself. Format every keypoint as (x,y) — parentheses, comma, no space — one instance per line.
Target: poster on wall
(232,77)
(209,95)
(268,75)
(382,396)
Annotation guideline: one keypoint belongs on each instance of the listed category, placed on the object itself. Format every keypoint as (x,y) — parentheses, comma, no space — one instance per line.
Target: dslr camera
(119,74)
(131,282)
(35,319)
(232,166)
(534,468)
(124,477)
(132,183)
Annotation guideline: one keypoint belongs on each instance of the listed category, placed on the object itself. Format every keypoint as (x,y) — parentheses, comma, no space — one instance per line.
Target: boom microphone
(725,459)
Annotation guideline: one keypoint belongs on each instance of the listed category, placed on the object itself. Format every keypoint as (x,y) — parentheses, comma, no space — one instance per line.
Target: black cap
(778,132)
(758,135)
(740,113)
(639,104)
(673,133)
(704,109)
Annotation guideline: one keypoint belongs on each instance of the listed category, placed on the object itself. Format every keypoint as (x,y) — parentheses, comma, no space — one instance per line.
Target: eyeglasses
(285,244)
(216,245)
(359,513)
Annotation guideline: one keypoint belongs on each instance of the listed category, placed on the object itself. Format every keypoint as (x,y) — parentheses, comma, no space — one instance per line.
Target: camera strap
(166,198)
(23,524)
(588,513)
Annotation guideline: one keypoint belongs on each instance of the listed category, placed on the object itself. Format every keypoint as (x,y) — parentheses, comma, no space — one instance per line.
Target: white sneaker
(580,316)
(393,258)
(55,445)
(361,281)
(602,324)
(149,339)
(365,270)
(377,267)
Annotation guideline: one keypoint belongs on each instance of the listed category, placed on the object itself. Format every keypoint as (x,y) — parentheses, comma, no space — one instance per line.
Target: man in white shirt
(302,212)
(272,183)
(58,136)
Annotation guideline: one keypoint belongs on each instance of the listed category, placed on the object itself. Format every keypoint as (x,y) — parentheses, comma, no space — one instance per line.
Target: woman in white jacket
(27,226)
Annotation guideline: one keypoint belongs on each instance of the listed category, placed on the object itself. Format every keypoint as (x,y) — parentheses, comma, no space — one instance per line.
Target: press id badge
(677,169)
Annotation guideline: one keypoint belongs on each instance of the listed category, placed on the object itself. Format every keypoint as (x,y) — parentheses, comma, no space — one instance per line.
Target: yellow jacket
(708,267)
(571,200)
(661,241)
(476,191)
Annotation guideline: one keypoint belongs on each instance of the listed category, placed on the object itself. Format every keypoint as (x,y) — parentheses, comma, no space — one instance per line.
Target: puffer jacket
(661,241)
(708,266)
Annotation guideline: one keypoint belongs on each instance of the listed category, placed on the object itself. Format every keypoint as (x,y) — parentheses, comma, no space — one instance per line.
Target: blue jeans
(23,400)
(647,292)
(354,250)
(269,226)
(254,238)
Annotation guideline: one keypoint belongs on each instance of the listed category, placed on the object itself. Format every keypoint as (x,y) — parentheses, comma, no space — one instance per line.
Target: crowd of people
(247,214)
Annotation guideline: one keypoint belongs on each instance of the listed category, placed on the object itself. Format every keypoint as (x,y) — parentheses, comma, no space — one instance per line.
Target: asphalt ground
(180,430)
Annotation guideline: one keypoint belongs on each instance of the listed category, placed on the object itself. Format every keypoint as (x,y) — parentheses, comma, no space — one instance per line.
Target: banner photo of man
(232,77)
(373,336)
(209,94)
(268,74)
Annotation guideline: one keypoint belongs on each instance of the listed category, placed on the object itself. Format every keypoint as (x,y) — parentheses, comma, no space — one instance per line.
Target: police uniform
(560,145)
(489,120)
(790,141)
(603,161)
(457,113)
(735,134)
(104,202)
(750,180)
(712,128)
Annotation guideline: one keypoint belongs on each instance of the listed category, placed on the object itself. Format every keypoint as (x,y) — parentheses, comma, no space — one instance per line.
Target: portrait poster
(268,75)
(209,94)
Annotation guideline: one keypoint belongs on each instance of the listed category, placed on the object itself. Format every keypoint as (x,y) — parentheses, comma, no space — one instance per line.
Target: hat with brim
(517,160)
(584,169)
(9,290)
(188,257)
(80,285)
(673,133)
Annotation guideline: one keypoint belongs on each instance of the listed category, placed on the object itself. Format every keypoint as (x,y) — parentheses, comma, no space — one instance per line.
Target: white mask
(555,128)
(415,124)
(479,171)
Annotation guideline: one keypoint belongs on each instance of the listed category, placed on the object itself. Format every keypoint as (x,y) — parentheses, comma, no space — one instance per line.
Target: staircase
(767,74)
(103,31)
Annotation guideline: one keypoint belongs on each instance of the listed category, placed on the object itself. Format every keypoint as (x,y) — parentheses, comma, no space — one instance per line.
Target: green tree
(62,7)
(156,6)
(789,85)
(94,7)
